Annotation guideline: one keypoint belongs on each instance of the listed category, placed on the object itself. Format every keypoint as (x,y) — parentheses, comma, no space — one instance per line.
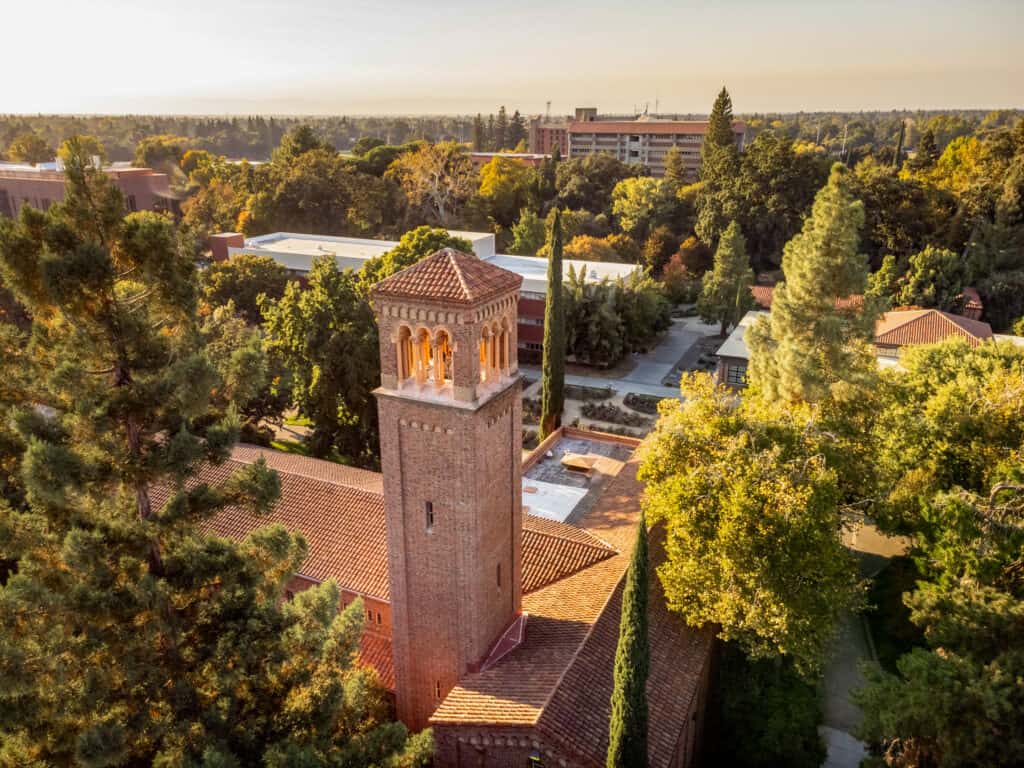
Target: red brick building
(43,185)
(492,584)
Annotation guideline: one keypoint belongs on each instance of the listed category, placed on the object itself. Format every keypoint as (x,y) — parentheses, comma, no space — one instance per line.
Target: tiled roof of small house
(900,328)
(765,294)
(449,276)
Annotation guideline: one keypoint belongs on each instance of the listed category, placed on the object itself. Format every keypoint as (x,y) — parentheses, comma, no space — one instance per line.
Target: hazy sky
(451,56)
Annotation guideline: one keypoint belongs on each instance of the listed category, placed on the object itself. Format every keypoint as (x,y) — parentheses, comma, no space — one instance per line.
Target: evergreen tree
(675,170)
(479,134)
(720,134)
(813,337)
(489,145)
(627,729)
(725,297)
(501,130)
(897,155)
(927,151)
(516,130)
(552,397)
(718,201)
(128,635)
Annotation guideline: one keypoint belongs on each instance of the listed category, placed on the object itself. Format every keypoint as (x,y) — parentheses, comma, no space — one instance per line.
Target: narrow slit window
(379,618)
(428,507)
(499,575)
(437,689)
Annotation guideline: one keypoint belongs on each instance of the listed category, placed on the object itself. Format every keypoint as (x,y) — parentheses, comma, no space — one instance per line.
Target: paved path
(852,647)
(650,368)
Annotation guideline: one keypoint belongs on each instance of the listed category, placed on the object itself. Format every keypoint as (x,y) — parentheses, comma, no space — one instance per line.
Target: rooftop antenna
(657,102)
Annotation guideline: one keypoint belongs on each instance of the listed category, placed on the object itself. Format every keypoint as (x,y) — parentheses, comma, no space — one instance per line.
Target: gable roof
(900,328)
(553,550)
(560,678)
(339,511)
(765,294)
(451,277)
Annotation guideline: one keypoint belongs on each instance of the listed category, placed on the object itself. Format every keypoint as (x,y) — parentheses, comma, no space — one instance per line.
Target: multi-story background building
(42,185)
(644,141)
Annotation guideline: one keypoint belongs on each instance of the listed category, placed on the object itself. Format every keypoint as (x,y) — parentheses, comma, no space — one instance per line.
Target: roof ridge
(595,543)
(307,475)
(458,270)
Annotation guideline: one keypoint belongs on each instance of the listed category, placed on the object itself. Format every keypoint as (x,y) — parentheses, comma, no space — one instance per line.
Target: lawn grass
(887,616)
(290,446)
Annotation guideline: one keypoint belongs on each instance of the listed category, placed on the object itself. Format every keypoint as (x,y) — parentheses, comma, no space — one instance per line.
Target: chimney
(220,243)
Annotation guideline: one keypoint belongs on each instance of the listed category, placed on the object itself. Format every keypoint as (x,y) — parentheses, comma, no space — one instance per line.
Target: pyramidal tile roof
(449,276)
(925,326)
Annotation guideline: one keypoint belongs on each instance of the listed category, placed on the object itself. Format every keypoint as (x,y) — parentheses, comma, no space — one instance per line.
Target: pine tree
(552,397)
(719,200)
(897,156)
(812,338)
(479,134)
(501,130)
(720,134)
(675,169)
(489,144)
(927,153)
(627,729)
(516,130)
(129,636)
(725,296)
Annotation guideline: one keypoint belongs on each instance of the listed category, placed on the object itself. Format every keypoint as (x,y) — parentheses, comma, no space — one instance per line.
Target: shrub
(767,716)
(614,414)
(579,392)
(641,403)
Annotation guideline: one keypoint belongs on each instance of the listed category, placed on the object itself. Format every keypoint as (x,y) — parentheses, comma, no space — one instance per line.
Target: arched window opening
(443,370)
(405,356)
(504,352)
(486,347)
(422,355)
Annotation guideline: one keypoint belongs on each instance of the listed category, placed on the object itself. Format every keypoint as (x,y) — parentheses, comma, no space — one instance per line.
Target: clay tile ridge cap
(450,277)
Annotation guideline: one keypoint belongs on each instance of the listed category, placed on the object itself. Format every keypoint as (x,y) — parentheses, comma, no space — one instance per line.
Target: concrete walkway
(852,647)
(650,368)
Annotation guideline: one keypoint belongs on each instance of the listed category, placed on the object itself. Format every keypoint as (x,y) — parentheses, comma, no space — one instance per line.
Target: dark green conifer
(627,729)
(552,397)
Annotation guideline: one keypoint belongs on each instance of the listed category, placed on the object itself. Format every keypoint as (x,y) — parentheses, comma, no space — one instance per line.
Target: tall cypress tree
(552,395)
(501,130)
(897,156)
(813,338)
(627,729)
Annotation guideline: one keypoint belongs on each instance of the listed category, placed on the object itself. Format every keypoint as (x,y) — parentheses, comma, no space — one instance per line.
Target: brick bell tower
(450,435)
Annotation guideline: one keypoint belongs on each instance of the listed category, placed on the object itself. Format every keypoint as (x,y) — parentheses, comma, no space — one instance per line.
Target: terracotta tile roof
(925,326)
(339,511)
(552,551)
(560,678)
(375,650)
(763,295)
(579,709)
(449,276)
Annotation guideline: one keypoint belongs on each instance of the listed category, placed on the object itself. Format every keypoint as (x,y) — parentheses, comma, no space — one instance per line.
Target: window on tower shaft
(428,507)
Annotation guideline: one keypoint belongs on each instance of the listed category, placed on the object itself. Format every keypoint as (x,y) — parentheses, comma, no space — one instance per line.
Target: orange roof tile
(449,276)
(552,551)
(338,510)
(925,326)
(559,679)
(375,650)
(764,294)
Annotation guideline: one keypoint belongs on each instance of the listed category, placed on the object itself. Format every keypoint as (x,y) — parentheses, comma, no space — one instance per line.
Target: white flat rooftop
(736,346)
(296,252)
(550,500)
